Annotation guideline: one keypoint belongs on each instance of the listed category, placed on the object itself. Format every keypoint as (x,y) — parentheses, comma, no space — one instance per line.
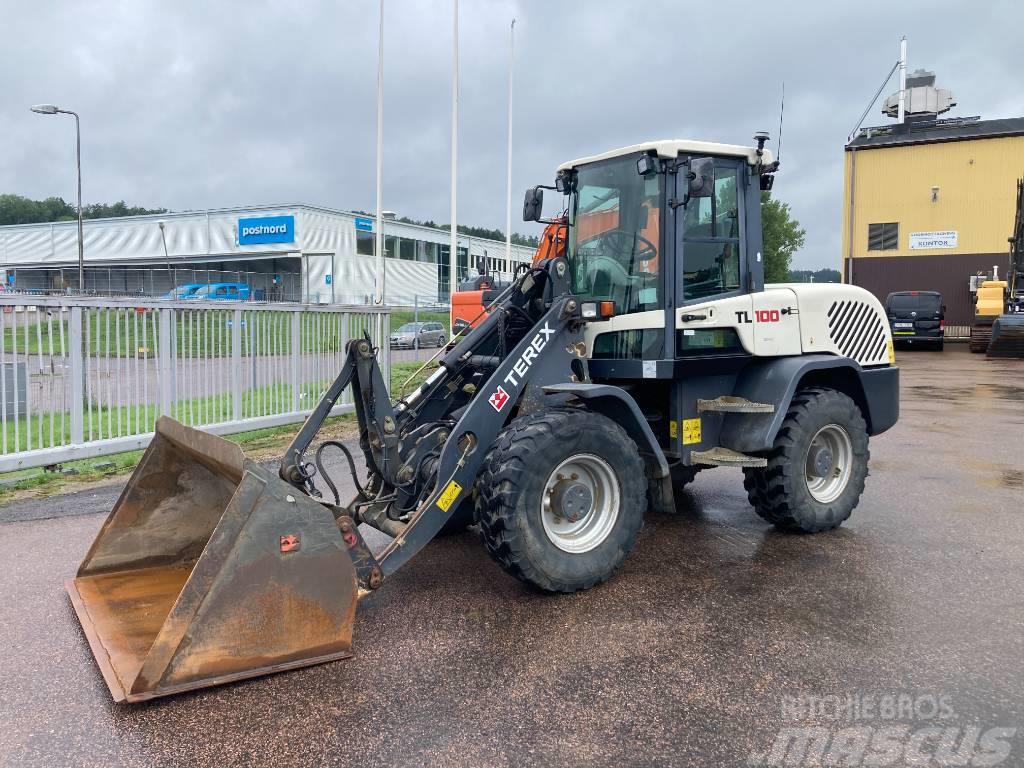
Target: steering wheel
(602,263)
(622,242)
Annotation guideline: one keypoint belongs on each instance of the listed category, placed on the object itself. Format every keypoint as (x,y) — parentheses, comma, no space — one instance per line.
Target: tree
(16,209)
(823,275)
(783,236)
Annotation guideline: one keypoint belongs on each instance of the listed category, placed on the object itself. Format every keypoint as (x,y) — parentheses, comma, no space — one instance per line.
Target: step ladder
(731,404)
(726,457)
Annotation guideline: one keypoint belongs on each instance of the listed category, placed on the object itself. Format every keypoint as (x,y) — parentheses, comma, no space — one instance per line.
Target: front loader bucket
(1007,336)
(211,569)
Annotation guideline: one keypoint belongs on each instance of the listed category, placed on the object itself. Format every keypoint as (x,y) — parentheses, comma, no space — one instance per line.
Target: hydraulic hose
(327,479)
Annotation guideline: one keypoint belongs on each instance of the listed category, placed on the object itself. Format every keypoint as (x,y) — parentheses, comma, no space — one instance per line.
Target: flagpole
(378,296)
(508,182)
(453,248)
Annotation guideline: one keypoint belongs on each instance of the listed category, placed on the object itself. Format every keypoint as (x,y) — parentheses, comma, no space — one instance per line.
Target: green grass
(104,422)
(402,371)
(199,333)
(86,470)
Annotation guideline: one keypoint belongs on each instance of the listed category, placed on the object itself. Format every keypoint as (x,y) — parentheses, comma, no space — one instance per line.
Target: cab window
(614,235)
(711,238)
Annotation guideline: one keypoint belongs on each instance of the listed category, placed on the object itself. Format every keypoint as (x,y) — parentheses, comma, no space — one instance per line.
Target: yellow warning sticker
(691,431)
(449,495)
(673,429)
(892,352)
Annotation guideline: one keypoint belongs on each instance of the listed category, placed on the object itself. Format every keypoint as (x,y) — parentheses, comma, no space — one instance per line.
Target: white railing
(83,377)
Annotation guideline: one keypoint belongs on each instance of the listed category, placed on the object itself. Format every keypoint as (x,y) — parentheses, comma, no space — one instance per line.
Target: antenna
(782,110)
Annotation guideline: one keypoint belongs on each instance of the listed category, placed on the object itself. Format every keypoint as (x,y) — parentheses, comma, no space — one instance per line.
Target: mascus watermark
(890,729)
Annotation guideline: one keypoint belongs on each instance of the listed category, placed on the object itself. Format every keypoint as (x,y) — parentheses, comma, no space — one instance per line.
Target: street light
(50,109)
(167,258)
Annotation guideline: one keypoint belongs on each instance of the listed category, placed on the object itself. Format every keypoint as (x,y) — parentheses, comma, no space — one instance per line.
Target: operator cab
(660,226)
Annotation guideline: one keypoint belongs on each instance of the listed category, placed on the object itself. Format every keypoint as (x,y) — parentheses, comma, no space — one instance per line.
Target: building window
(883,237)
(426,252)
(364,242)
(407,249)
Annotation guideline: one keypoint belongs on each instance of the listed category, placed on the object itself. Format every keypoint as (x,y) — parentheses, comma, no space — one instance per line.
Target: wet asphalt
(687,657)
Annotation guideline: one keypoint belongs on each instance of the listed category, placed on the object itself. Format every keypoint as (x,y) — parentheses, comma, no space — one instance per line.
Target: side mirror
(533,204)
(942,309)
(702,177)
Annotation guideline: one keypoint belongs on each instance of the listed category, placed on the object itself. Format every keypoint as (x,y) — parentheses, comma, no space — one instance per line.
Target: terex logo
(522,365)
(498,399)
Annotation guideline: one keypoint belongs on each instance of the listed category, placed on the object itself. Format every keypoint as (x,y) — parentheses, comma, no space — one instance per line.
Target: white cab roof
(672,147)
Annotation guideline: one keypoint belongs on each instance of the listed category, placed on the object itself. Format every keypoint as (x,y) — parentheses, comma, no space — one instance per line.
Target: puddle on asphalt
(975,392)
(1012,478)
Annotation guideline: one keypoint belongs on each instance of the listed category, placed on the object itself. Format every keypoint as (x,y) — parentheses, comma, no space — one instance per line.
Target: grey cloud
(195,105)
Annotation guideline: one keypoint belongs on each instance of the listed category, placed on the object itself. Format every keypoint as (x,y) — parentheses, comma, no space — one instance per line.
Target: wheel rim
(828,463)
(580,503)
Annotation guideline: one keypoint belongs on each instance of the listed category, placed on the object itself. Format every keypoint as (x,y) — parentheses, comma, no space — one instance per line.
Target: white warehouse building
(289,253)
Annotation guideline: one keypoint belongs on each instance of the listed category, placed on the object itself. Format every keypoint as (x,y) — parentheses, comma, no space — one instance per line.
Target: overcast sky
(192,105)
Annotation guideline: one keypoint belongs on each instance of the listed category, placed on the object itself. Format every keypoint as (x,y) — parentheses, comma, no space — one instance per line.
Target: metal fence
(88,377)
(153,282)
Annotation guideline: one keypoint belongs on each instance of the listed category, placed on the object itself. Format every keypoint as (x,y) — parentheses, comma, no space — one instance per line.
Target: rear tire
(817,467)
(546,456)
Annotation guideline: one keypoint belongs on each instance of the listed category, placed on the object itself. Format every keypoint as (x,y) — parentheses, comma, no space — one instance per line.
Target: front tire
(817,468)
(561,499)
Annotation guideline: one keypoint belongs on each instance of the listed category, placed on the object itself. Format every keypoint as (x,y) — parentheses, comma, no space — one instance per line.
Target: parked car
(183,291)
(917,317)
(223,292)
(418,335)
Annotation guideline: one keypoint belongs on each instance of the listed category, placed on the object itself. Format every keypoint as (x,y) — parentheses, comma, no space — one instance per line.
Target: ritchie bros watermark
(883,729)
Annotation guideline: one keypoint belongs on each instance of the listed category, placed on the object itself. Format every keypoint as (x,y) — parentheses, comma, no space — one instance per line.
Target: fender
(613,402)
(775,380)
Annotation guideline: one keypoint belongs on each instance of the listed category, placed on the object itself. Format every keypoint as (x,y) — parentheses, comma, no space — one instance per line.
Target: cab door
(711,263)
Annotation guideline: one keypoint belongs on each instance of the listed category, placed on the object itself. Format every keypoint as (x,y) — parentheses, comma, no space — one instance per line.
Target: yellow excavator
(998,327)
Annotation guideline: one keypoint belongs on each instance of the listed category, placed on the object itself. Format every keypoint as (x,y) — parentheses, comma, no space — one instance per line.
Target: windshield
(409,328)
(217,291)
(910,302)
(181,291)
(614,235)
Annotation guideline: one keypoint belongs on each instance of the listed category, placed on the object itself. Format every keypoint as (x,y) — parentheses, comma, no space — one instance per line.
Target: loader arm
(373,410)
(540,358)
(424,453)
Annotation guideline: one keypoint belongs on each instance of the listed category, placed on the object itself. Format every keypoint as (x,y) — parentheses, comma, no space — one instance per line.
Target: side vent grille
(857,330)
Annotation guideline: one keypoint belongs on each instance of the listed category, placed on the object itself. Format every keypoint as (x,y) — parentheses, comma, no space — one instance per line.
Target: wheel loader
(597,386)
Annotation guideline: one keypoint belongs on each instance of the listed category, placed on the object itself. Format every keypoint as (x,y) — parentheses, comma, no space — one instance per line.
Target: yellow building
(928,204)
